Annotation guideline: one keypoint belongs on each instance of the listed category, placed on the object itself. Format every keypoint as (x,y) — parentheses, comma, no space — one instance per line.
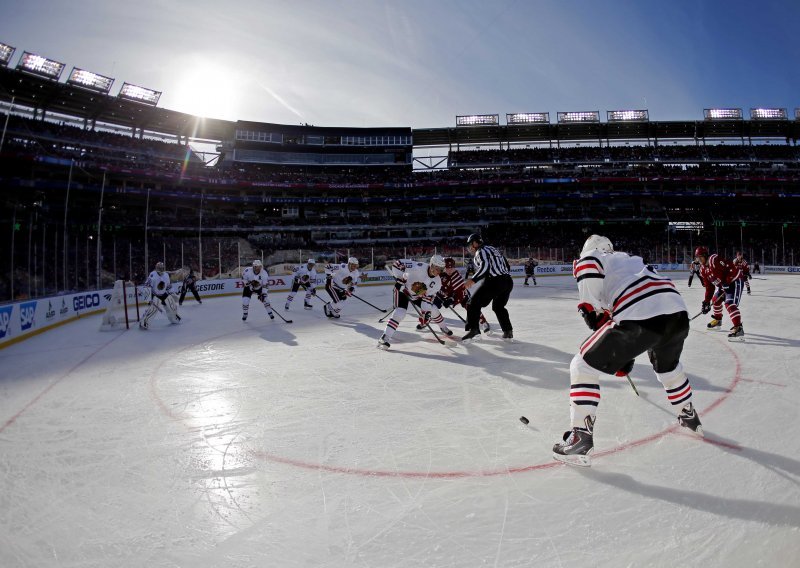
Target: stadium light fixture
(139,94)
(722,114)
(89,80)
(768,114)
(627,116)
(6,51)
(478,120)
(577,117)
(38,65)
(515,118)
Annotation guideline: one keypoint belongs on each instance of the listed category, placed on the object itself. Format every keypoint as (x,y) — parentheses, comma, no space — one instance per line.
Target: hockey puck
(523,420)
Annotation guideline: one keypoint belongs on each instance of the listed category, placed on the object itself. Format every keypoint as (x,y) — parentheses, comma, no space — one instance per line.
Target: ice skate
(383,344)
(447,331)
(420,327)
(307,306)
(736,334)
(508,336)
(688,418)
(577,445)
(473,335)
(143,325)
(286,307)
(327,311)
(714,323)
(244,317)
(271,316)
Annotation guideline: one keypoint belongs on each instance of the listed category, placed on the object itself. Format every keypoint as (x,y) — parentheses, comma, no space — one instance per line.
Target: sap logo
(85,302)
(541,269)
(50,313)
(27,313)
(5,319)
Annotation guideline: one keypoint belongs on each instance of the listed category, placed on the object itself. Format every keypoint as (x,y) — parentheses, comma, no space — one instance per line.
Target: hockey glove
(705,307)
(591,318)
(350,290)
(625,370)
(448,302)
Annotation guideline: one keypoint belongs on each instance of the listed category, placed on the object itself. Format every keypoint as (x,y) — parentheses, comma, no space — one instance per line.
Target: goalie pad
(171,308)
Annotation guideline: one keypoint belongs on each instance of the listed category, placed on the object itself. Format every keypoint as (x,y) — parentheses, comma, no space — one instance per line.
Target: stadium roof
(65,99)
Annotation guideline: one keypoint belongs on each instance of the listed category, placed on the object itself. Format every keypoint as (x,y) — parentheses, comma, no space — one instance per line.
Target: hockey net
(123,307)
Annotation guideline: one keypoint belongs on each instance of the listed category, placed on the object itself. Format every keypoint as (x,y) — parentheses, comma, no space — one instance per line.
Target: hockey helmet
(437,261)
(701,251)
(311,261)
(257,263)
(449,262)
(474,238)
(597,242)
(352,261)
(159,267)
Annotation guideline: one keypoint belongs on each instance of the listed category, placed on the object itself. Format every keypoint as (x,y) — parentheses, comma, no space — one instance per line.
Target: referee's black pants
(495,290)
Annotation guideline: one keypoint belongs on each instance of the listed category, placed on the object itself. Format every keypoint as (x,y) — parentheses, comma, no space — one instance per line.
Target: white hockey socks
(584,392)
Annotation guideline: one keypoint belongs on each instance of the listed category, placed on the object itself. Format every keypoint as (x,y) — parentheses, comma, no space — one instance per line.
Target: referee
(492,270)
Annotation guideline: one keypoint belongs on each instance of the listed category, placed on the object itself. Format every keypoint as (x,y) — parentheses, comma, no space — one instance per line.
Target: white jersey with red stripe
(624,286)
(417,280)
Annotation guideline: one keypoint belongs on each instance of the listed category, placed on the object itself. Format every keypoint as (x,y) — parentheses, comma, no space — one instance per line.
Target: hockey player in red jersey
(742,265)
(723,282)
(453,293)
(631,310)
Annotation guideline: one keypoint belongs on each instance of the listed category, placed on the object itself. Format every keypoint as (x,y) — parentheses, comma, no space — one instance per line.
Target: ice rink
(231,444)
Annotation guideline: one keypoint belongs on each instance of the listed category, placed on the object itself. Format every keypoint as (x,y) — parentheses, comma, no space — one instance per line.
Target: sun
(206,89)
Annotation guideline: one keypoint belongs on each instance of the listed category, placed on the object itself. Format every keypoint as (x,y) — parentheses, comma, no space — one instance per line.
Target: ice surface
(223,443)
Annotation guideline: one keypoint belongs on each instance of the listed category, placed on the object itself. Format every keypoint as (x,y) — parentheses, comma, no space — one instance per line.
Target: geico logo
(26,316)
(546,269)
(210,287)
(85,302)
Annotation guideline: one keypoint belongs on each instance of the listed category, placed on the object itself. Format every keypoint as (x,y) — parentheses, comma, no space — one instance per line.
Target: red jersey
(718,272)
(453,287)
(742,265)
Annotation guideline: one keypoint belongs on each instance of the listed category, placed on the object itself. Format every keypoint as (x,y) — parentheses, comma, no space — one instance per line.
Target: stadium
(294,445)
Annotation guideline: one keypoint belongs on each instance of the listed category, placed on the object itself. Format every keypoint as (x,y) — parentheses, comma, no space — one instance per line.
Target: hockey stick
(697,315)
(458,314)
(372,305)
(632,385)
(758,278)
(277,313)
(427,323)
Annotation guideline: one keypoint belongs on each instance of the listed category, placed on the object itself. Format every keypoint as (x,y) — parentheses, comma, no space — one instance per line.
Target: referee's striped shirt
(489,262)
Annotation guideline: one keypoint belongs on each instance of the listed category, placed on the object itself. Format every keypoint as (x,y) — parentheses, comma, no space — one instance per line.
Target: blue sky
(421,63)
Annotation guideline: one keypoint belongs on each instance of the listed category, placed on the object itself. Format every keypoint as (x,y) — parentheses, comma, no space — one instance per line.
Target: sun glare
(206,90)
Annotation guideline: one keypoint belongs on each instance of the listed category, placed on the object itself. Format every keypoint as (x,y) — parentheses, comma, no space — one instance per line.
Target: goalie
(418,285)
(161,297)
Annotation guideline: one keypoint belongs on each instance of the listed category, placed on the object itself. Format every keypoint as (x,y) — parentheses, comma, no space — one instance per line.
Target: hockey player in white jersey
(340,283)
(304,275)
(418,284)
(161,297)
(630,309)
(256,281)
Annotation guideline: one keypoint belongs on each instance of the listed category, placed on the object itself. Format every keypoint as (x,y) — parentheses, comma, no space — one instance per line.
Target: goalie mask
(597,242)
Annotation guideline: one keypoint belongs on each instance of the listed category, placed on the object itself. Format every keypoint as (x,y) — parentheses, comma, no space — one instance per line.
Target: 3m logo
(27,313)
(5,319)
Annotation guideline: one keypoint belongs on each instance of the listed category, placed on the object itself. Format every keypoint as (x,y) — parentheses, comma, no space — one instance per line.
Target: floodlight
(627,116)
(139,94)
(768,114)
(722,114)
(90,80)
(478,120)
(39,65)
(6,51)
(583,116)
(527,118)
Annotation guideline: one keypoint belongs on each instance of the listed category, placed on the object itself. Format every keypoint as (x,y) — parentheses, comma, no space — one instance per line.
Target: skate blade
(578,460)
(736,339)
(383,347)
